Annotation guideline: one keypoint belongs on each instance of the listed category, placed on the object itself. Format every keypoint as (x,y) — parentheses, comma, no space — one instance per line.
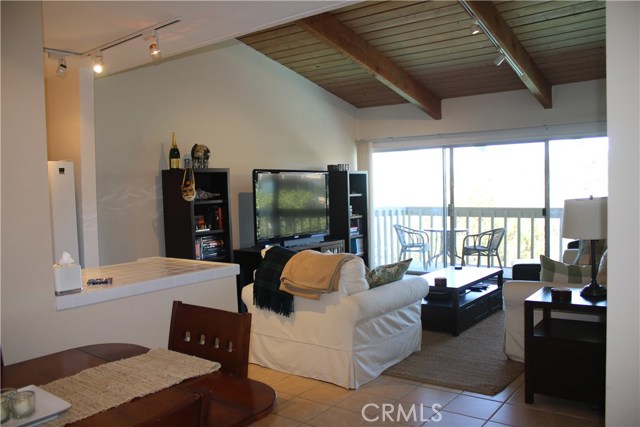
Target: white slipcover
(344,339)
(514,292)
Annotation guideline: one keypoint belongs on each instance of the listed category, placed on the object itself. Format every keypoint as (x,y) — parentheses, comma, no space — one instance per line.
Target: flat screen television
(291,207)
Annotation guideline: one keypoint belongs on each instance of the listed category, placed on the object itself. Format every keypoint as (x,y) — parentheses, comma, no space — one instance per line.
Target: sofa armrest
(516,291)
(384,299)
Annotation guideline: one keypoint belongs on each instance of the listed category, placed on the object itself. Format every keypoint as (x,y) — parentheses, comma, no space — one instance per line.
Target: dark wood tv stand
(249,259)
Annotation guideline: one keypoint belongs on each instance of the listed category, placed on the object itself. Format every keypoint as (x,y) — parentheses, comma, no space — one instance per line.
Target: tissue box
(68,278)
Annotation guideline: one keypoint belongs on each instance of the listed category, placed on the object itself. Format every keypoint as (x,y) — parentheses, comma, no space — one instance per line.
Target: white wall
(623,320)
(499,116)
(250,111)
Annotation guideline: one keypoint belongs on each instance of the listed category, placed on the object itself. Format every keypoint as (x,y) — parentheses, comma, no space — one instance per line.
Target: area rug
(473,361)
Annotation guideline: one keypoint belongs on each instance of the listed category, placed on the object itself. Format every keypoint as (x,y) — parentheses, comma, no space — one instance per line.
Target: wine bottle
(174,154)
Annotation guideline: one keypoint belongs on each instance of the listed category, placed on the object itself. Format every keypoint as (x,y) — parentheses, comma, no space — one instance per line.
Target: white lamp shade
(585,219)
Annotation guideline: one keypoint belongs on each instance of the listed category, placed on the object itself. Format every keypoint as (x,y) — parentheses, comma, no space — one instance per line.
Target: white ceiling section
(82,26)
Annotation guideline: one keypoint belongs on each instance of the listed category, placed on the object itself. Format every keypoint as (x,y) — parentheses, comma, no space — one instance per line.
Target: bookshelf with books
(199,229)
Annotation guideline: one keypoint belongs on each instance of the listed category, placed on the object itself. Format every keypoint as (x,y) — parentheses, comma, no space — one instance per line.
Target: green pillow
(388,273)
(558,272)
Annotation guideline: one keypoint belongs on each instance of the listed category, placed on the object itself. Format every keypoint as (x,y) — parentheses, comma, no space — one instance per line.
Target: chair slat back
(212,334)
(408,236)
(496,238)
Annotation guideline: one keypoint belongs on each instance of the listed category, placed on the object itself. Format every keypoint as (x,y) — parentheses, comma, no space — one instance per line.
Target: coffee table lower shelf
(440,312)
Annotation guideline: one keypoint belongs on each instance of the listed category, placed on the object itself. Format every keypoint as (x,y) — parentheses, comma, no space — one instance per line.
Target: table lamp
(586,219)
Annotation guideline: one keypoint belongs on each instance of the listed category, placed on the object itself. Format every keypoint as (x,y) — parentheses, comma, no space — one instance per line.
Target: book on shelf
(209,247)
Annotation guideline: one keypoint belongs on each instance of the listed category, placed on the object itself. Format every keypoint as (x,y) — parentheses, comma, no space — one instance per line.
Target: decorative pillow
(559,272)
(584,251)
(388,273)
(602,269)
(352,277)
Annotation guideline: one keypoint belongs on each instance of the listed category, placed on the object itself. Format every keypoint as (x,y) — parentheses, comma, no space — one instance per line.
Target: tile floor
(390,401)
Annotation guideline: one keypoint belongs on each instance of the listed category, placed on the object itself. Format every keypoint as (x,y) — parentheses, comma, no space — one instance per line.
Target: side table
(565,357)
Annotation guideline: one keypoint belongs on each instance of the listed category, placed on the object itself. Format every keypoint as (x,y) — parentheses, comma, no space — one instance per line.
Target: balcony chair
(485,243)
(412,240)
(212,334)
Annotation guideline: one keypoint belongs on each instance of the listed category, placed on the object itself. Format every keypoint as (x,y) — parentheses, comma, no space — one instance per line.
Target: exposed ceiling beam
(327,28)
(495,26)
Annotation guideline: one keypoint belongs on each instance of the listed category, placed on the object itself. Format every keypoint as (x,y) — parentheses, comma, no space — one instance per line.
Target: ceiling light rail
(96,52)
(500,34)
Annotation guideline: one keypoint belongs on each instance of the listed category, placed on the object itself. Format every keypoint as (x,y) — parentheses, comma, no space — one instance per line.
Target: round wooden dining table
(214,399)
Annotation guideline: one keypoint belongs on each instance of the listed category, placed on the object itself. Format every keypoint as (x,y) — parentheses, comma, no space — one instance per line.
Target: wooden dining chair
(212,334)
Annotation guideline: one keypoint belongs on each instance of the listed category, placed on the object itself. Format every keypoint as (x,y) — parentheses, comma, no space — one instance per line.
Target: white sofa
(348,337)
(514,292)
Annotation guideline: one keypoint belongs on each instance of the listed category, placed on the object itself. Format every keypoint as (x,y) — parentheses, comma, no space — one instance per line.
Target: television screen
(290,205)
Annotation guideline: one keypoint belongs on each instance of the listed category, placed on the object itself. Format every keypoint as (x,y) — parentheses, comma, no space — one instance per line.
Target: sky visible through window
(493,176)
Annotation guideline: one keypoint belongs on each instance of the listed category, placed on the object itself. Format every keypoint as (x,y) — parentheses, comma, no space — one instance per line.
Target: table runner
(103,387)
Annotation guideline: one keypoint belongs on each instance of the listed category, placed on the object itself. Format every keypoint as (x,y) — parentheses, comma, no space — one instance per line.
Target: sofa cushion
(352,277)
(388,273)
(584,251)
(559,272)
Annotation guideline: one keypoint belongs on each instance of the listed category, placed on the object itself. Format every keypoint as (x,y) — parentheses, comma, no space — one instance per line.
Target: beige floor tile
(295,385)
(370,403)
(336,417)
(429,396)
(521,416)
(300,409)
(265,375)
(385,386)
(449,419)
(282,397)
(275,420)
(556,405)
(473,406)
(326,393)
(493,424)
(561,420)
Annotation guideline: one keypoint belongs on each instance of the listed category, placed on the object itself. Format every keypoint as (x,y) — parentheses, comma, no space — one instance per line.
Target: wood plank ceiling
(392,52)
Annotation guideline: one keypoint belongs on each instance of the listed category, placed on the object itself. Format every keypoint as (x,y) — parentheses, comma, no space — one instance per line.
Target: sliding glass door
(501,186)
(577,169)
(409,192)
(448,193)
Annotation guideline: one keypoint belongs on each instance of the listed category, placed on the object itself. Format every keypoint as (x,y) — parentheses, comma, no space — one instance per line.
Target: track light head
(499,59)
(61,71)
(475,28)
(154,44)
(98,66)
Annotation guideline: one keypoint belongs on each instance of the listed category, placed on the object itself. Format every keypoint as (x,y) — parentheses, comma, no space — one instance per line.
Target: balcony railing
(524,237)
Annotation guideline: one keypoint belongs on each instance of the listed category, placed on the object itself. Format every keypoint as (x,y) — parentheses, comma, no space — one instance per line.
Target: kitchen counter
(143,276)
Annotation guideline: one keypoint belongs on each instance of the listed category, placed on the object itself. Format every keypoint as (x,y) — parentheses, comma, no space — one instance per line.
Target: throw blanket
(266,293)
(309,274)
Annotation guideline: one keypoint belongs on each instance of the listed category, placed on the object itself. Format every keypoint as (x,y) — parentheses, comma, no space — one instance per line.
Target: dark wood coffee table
(471,294)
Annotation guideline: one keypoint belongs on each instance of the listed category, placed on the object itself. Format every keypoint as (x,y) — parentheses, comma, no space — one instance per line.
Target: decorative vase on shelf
(188,182)
(200,155)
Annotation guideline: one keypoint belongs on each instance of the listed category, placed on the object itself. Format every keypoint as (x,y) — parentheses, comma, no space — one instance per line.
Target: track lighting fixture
(149,34)
(98,66)
(61,71)
(154,44)
(475,28)
(499,59)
